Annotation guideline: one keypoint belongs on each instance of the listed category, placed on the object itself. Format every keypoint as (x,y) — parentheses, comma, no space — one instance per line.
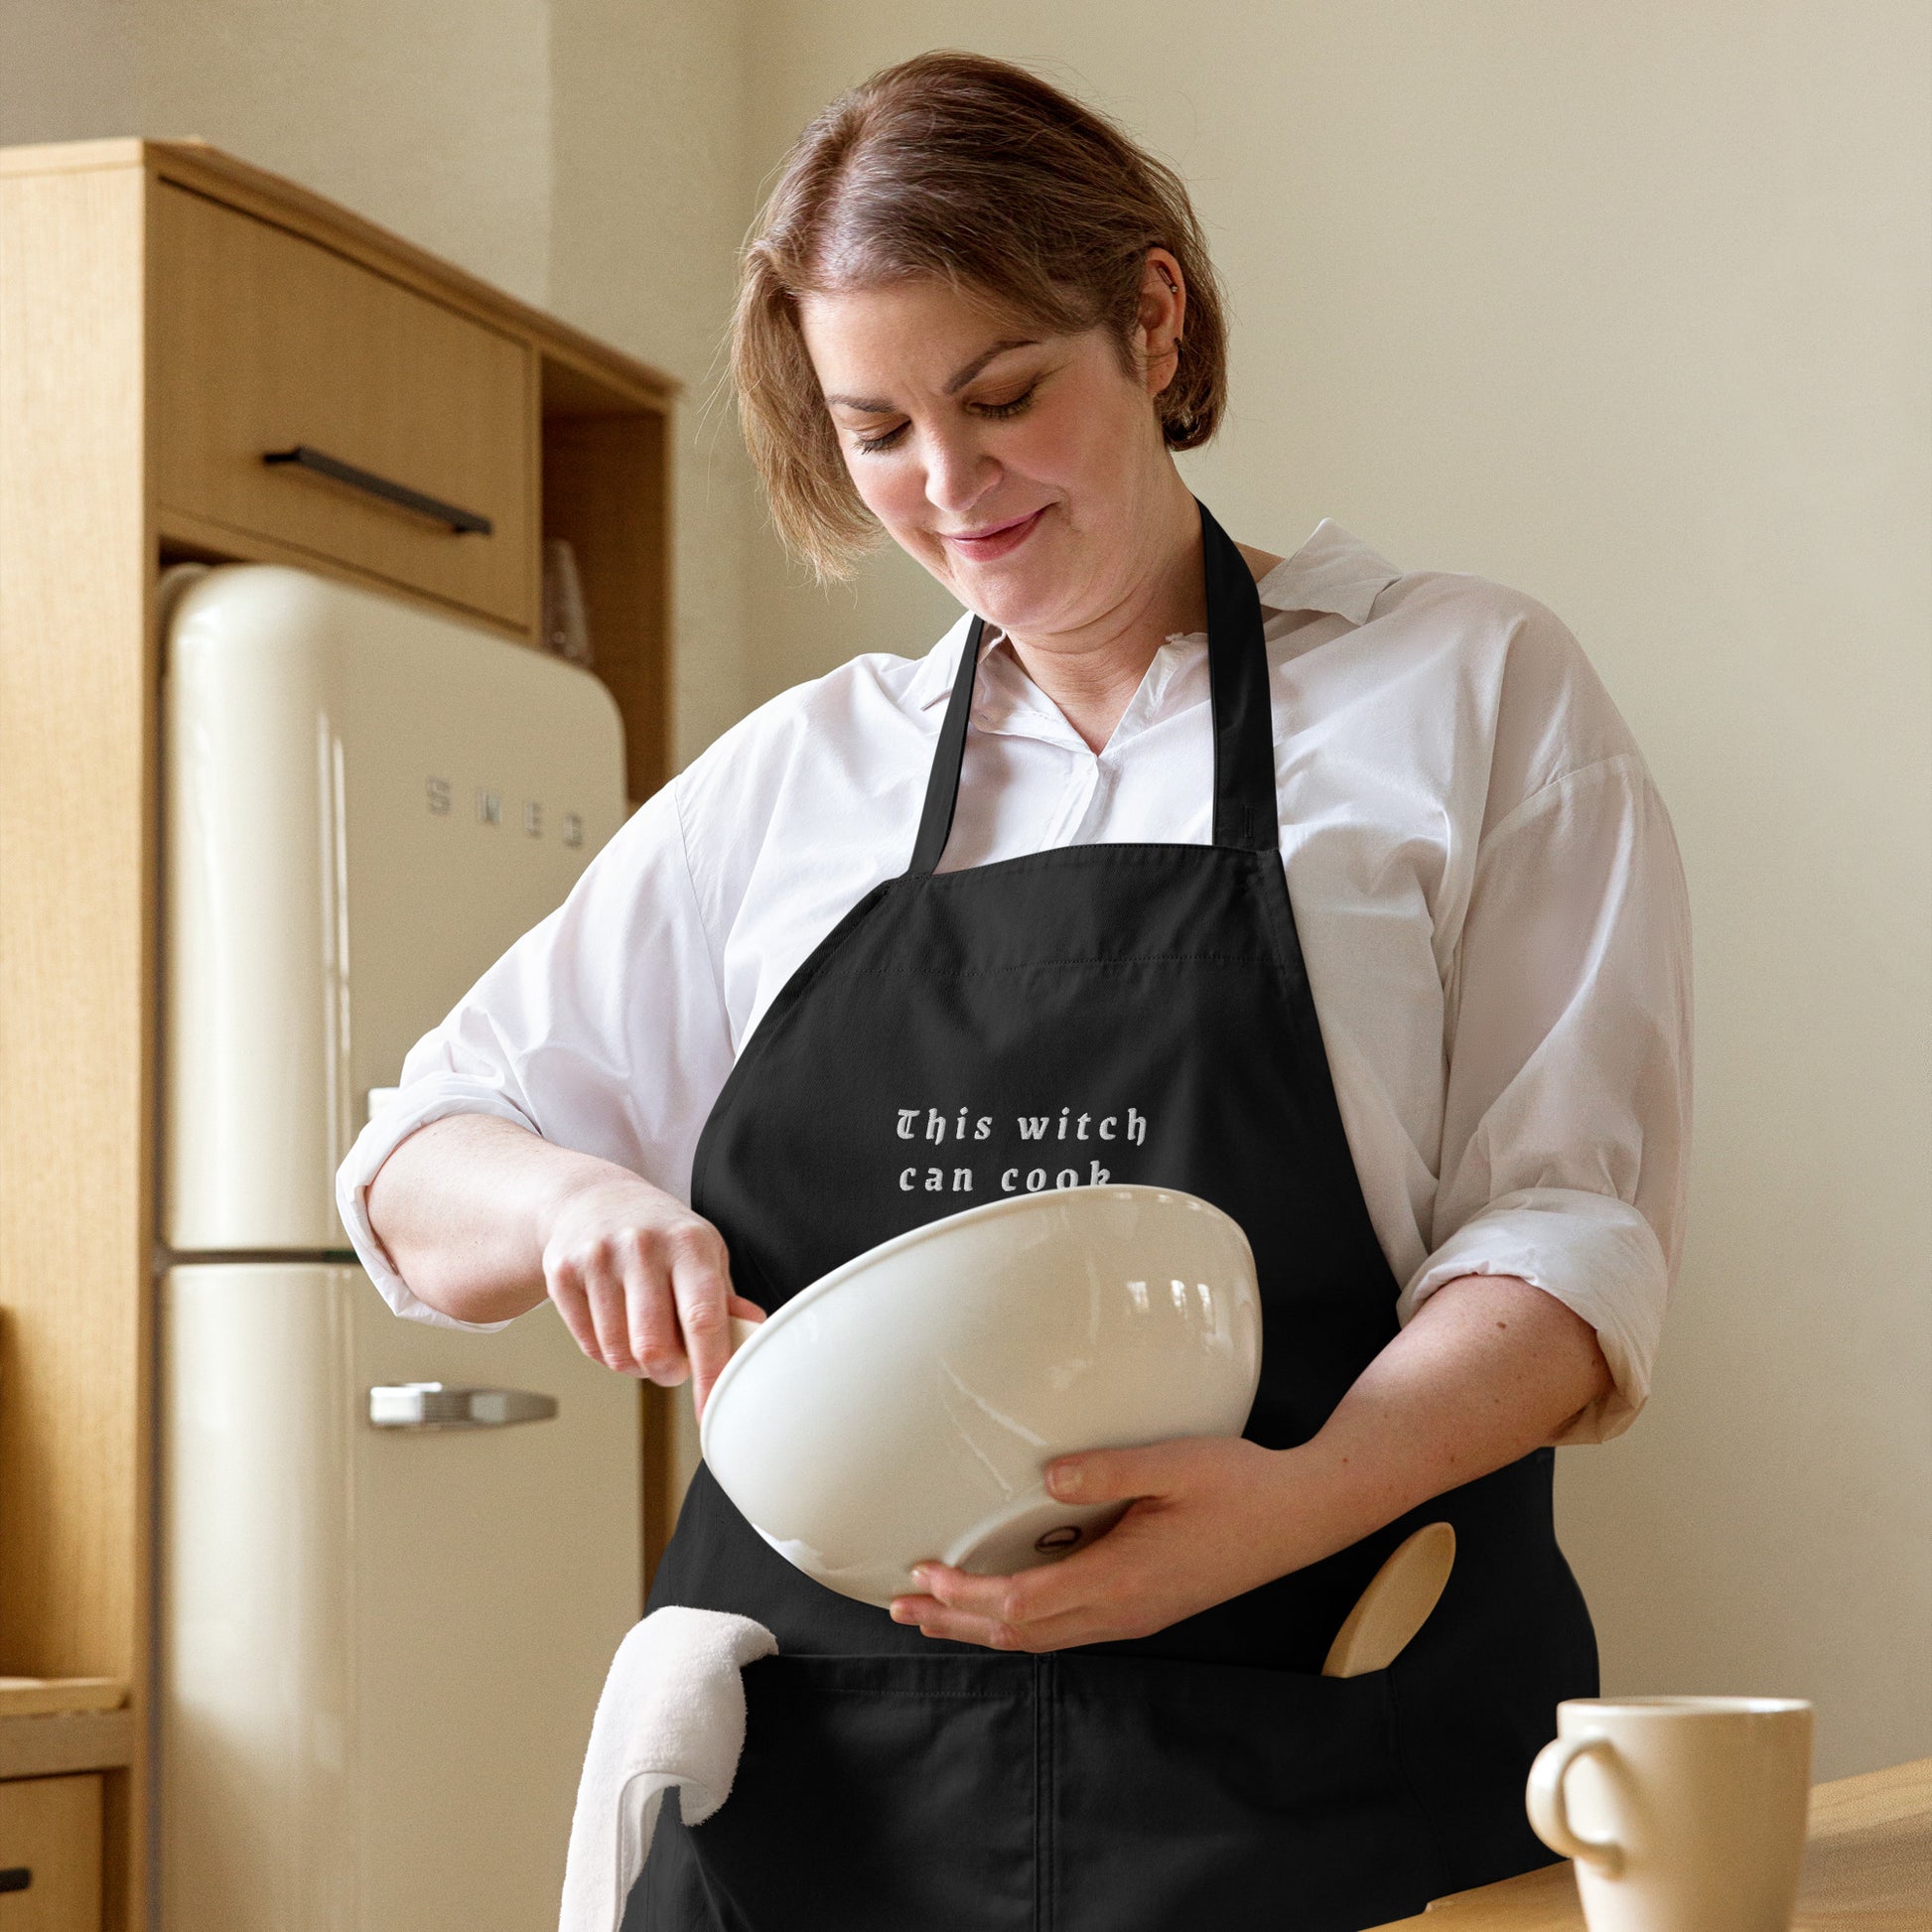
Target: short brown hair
(982,175)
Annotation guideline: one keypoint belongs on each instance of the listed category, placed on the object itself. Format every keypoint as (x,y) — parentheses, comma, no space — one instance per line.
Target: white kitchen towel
(672,1712)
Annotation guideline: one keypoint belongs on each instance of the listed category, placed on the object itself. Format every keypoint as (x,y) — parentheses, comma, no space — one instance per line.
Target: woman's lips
(996,544)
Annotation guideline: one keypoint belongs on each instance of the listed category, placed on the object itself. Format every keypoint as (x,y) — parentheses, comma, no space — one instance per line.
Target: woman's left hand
(1212,1517)
(1487,1369)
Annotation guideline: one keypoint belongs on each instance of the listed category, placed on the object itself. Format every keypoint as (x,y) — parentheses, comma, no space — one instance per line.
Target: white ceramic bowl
(905,1405)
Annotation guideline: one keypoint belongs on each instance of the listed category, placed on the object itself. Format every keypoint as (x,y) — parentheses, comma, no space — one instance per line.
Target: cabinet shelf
(604,494)
(50,1726)
(46,1697)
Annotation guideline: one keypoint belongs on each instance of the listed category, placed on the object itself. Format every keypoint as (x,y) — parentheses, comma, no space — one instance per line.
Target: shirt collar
(1334,571)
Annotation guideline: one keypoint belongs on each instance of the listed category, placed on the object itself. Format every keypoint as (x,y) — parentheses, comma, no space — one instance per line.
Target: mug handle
(1550,1813)
(741,1331)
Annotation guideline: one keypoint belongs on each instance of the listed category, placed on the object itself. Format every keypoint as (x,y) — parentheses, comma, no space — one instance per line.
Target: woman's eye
(873,445)
(1011,408)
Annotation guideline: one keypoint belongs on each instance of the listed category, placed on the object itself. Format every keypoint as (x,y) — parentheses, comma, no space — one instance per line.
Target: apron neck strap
(1244,739)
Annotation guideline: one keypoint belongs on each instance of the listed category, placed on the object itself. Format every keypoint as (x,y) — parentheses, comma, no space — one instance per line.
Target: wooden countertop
(1867,1868)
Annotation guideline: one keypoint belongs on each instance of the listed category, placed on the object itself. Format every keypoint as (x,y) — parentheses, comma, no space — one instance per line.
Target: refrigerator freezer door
(381,1646)
(365,804)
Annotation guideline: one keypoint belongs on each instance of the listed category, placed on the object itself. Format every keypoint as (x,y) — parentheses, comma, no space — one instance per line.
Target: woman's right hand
(641,1280)
(483,1218)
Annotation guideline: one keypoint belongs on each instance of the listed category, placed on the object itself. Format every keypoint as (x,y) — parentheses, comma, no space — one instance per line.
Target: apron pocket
(873,1792)
(1233,1796)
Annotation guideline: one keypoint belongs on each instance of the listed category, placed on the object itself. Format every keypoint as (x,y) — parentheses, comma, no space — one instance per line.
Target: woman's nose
(958,473)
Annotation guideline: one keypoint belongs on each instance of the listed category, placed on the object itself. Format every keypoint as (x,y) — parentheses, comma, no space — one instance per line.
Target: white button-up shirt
(1488,890)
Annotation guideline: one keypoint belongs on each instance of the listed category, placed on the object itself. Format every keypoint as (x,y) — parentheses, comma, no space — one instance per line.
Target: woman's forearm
(483,1220)
(1490,1368)
(460,1207)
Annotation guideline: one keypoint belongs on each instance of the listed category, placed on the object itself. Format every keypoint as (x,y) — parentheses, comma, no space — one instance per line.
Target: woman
(1049,866)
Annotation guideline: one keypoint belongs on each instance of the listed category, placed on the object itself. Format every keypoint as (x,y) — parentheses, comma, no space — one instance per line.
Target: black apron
(1149,1005)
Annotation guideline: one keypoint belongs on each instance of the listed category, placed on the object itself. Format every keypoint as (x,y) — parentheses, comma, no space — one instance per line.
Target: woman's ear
(1164,308)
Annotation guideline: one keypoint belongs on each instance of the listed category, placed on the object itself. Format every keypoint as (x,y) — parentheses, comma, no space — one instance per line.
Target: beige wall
(1626,305)
(67,70)
(649,195)
(434,120)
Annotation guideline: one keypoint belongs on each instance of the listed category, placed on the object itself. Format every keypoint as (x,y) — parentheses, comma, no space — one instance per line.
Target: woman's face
(1026,472)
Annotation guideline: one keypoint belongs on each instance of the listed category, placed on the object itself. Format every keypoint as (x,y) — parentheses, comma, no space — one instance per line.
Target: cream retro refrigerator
(395,1559)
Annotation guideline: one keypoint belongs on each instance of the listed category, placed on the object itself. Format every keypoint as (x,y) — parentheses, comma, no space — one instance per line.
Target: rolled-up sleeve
(1566,1128)
(601,1029)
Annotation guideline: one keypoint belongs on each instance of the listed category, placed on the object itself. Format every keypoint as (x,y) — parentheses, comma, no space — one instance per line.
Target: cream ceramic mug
(1684,1814)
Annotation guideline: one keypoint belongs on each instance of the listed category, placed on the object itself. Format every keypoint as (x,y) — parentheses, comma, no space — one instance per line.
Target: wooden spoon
(1396,1604)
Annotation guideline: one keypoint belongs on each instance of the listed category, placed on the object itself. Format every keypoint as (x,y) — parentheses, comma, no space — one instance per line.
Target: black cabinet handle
(308,458)
(16,1877)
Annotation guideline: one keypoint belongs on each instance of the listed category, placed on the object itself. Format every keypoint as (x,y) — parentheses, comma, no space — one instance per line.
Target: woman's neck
(1092,674)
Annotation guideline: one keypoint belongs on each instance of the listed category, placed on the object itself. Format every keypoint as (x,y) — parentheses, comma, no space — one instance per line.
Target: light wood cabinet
(171,317)
(50,1855)
(266,344)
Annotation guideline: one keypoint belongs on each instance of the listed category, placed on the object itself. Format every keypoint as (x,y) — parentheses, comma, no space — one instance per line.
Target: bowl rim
(927,1230)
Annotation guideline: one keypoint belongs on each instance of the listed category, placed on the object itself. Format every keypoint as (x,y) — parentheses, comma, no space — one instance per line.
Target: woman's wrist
(559,1178)
(1481,1377)
(1328,1494)
(464,1206)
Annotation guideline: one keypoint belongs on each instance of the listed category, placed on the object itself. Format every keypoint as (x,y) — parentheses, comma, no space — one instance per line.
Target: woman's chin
(1023,589)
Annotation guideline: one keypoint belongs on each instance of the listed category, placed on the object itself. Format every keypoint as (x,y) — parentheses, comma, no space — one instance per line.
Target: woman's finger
(567,1291)
(1088,1576)
(1025,1598)
(1015,1598)
(1117,1475)
(701,1286)
(604,1290)
(1086,1624)
(649,1312)
(1092,1590)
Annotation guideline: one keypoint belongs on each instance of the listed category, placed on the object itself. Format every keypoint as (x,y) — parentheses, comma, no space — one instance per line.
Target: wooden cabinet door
(50,1855)
(263,342)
